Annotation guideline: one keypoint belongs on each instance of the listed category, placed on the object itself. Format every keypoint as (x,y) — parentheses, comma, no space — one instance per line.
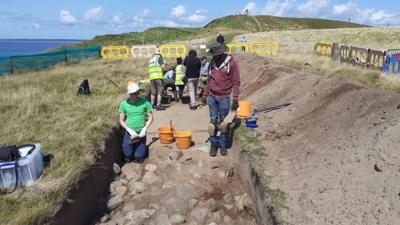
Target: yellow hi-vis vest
(179,75)
(155,69)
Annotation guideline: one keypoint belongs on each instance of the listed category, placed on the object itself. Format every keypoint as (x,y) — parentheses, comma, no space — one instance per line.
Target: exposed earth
(334,153)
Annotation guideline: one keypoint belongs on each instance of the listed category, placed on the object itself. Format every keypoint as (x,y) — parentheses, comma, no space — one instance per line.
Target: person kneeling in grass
(133,113)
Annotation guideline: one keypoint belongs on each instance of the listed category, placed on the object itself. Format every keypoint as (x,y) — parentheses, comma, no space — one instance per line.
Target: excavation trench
(213,189)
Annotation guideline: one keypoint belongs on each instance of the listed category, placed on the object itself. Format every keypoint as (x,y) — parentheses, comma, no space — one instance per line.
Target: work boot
(224,151)
(213,151)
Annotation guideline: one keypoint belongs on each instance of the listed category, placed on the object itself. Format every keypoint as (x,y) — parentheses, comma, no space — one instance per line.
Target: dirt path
(179,187)
(259,27)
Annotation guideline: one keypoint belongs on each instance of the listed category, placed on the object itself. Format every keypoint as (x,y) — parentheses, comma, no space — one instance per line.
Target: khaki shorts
(156,87)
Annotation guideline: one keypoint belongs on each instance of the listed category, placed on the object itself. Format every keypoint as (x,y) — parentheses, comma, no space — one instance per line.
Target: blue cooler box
(30,167)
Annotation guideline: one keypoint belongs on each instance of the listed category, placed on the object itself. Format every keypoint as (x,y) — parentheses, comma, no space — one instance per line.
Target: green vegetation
(250,143)
(229,26)
(270,23)
(43,107)
(157,35)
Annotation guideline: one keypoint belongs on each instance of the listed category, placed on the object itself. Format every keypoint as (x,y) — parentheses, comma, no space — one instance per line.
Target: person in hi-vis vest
(156,66)
(180,77)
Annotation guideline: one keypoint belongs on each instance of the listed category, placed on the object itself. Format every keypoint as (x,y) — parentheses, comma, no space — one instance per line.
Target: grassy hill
(272,23)
(229,26)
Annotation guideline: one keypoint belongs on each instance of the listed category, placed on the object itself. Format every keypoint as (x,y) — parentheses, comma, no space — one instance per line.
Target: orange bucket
(166,134)
(183,139)
(244,109)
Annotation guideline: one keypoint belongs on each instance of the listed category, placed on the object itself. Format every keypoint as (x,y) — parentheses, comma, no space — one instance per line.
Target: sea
(11,47)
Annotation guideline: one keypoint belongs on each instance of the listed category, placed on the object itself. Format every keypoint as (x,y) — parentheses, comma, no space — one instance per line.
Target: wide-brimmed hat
(217,49)
(133,88)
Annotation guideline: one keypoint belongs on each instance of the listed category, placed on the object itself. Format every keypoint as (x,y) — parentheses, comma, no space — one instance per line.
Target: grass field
(229,26)
(270,23)
(43,107)
(302,41)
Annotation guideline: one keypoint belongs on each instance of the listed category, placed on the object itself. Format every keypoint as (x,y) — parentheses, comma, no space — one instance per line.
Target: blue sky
(84,19)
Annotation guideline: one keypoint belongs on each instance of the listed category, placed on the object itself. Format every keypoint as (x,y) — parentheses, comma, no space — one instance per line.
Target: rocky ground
(333,154)
(179,186)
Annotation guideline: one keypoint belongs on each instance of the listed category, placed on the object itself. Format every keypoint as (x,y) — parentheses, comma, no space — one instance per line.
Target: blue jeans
(219,109)
(134,151)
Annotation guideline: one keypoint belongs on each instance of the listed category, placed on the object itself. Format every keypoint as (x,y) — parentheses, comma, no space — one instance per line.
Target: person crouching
(135,116)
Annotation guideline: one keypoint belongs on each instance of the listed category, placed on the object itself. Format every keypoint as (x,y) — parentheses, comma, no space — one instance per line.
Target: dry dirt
(202,189)
(334,152)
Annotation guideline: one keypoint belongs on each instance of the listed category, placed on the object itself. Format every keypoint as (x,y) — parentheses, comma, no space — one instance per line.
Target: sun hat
(133,88)
(217,49)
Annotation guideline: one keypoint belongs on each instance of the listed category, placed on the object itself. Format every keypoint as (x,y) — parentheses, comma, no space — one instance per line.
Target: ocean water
(10,47)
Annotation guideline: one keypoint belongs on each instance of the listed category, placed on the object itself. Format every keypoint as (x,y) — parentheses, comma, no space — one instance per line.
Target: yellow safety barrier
(143,51)
(323,48)
(237,47)
(264,48)
(114,52)
(259,48)
(173,51)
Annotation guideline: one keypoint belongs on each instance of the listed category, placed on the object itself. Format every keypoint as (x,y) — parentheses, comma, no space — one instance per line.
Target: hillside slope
(229,26)
(269,23)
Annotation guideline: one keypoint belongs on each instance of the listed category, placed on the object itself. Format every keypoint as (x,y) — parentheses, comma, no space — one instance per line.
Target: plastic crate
(30,167)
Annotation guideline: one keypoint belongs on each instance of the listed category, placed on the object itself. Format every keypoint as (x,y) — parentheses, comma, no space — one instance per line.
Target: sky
(84,19)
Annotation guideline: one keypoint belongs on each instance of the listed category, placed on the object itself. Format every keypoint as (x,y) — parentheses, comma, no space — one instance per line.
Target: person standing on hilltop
(223,81)
(193,66)
(133,113)
(156,66)
(220,39)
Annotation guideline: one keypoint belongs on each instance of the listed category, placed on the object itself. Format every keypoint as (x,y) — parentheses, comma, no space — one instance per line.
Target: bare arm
(149,120)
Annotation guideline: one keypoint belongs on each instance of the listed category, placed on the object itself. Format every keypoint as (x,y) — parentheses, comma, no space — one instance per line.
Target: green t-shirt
(135,113)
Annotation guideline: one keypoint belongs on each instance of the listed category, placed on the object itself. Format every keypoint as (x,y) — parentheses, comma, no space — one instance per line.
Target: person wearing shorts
(155,66)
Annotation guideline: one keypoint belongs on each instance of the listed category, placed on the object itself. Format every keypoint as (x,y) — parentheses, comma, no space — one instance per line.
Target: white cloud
(178,11)
(144,13)
(67,18)
(169,23)
(94,14)
(196,18)
(369,15)
(117,20)
(278,8)
(313,6)
(344,8)
(251,7)
(36,25)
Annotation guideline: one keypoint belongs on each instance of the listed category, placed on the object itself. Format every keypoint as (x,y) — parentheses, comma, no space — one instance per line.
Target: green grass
(250,143)
(43,107)
(157,35)
(229,26)
(270,23)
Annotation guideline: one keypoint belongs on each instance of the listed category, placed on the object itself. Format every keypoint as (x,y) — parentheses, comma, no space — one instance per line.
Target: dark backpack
(84,88)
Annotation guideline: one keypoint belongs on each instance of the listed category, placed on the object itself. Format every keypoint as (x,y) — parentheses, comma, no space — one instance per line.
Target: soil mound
(334,152)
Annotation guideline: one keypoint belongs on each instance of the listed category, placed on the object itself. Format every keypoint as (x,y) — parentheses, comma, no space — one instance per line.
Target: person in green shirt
(135,116)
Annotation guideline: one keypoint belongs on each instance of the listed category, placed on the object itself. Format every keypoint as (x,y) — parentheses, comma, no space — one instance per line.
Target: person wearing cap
(135,116)
(156,66)
(223,83)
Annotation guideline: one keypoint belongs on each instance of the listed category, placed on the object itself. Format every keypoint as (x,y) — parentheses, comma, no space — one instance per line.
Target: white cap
(133,87)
